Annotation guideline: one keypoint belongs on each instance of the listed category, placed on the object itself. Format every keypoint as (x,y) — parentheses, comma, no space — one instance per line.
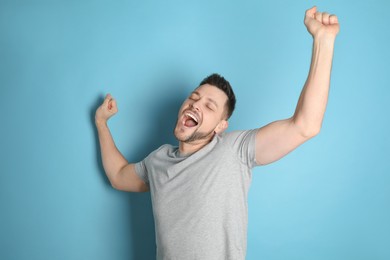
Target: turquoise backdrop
(329,199)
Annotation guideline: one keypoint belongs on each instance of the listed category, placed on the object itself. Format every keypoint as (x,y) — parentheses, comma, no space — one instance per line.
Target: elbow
(310,132)
(114,181)
(118,186)
(306,129)
(115,185)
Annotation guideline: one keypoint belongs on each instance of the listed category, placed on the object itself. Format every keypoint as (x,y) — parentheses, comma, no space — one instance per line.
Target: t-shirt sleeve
(142,171)
(144,168)
(244,144)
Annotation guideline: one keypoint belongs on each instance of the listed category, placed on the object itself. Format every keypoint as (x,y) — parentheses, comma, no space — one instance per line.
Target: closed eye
(193,98)
(209,106)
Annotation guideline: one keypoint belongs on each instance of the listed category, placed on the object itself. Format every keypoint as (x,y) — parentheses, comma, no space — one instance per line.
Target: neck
(187,148)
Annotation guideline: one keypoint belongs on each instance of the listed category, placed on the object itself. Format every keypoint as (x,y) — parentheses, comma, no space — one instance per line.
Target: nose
(196,105)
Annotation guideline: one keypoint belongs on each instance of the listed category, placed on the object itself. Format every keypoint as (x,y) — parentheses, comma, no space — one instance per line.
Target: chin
(181,135)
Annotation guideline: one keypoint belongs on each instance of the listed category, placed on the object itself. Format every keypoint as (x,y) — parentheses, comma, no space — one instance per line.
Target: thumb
(311,12)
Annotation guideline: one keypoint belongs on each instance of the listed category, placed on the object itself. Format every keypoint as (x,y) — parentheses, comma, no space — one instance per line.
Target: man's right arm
(121,174)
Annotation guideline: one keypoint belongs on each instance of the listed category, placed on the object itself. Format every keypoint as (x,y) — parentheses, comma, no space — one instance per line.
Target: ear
(222,126)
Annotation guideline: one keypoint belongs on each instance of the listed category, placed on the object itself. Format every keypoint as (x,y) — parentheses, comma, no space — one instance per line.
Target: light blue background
(329,199)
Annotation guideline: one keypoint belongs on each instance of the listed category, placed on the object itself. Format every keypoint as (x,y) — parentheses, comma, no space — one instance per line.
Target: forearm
(312,102)
(113,160)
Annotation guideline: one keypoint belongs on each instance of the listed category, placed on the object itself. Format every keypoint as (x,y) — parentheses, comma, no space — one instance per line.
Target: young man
(199,189)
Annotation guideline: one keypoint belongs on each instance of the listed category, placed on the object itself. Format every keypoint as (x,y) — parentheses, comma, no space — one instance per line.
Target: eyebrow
(208,99)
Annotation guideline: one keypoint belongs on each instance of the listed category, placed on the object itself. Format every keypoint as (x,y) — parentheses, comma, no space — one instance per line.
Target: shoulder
(238,136)
(242,143)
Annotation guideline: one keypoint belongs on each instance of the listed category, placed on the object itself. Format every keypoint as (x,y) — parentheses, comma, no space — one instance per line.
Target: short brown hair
(220,82)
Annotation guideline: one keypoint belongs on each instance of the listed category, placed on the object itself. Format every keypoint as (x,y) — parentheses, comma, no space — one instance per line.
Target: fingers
(333,19)
(325,18)
(106,110)
(107,99)
(318,16)
(110,103)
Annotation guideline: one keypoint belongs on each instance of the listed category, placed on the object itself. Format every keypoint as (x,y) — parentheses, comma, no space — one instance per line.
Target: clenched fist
(320,24)
(106,110)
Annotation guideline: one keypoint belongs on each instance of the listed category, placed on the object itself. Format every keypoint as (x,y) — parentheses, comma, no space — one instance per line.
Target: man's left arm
(278,138)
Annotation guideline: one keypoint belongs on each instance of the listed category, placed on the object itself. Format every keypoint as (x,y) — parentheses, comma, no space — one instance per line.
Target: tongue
(190,122)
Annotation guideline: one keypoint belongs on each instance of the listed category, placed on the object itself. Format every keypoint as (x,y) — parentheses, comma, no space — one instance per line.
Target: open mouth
(190,120)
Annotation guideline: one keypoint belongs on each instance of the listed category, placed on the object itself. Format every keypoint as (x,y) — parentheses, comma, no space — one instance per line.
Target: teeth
(193,117)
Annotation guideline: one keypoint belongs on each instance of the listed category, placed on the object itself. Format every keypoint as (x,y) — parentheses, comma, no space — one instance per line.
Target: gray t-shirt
(200,201)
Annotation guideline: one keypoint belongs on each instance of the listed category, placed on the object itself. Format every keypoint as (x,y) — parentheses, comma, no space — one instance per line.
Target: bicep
(128,180)
(276,140)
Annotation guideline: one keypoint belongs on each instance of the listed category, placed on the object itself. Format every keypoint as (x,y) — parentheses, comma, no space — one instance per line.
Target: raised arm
(277,139)
(121,174)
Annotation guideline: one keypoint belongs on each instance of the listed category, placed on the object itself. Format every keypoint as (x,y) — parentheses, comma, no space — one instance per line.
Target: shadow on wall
(140,208)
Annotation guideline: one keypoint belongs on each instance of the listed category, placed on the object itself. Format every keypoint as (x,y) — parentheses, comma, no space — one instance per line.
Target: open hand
(106,110)
(321,24)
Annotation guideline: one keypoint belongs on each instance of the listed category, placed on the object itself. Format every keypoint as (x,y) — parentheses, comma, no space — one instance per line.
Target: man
(199,189)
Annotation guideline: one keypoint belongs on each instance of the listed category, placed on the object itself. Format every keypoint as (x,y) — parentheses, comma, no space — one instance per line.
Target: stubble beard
(195,136)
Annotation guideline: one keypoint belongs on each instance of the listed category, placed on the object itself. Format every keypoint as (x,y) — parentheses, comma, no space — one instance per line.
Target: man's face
(201,115)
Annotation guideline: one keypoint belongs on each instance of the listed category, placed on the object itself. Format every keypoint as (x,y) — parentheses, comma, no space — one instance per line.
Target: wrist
(100,122)
(324,39)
